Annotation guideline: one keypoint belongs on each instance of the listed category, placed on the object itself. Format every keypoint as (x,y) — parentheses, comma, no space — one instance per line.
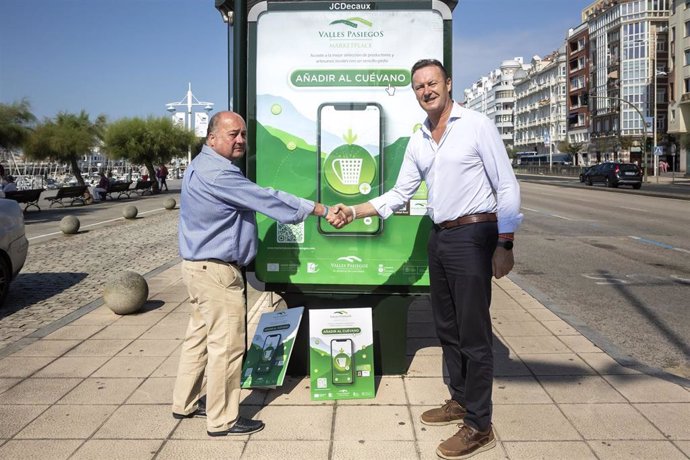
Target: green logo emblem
(350,169)
(352,22)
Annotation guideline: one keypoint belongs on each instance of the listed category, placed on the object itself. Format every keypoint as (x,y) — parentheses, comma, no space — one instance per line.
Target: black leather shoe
(199,412)
(242,426)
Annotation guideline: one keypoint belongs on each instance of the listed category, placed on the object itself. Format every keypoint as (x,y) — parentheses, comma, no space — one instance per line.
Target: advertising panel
(331,111)
(269,354)
(341,354)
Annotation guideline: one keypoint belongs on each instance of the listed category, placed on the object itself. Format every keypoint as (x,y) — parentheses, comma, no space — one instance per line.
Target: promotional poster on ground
(268,356)
(334,111)
(341,354)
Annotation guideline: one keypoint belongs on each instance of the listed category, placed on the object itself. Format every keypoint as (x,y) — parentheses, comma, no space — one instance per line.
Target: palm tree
(15,124)
(66,139)
(148,142)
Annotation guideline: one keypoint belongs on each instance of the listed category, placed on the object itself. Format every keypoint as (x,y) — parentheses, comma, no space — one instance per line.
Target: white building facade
(540,104)
(494,96)
(628,64)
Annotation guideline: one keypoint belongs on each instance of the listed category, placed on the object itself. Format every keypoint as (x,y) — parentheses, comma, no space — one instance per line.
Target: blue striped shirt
(217,208)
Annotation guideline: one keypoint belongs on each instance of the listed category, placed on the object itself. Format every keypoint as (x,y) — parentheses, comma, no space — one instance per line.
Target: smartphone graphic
(350,161)
(268,352)
(342,361)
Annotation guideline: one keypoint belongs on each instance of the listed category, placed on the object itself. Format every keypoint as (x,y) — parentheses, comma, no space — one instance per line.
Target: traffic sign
(658,150)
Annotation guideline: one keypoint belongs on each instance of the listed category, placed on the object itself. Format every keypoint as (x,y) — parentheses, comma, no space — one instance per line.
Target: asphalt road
(616,264)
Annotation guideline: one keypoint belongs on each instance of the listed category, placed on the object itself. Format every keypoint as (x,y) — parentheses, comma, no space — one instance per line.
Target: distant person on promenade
(217,237)
(102,187)
(8,184)
(162,176)
(474,202)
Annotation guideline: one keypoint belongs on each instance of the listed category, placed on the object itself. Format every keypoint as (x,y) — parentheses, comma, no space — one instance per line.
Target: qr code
(290,233)
(321,382)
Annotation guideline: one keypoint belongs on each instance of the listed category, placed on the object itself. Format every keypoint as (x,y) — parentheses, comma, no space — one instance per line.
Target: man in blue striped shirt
(217,236)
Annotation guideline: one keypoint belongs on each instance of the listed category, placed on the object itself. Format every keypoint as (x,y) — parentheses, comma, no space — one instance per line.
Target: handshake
(340,215)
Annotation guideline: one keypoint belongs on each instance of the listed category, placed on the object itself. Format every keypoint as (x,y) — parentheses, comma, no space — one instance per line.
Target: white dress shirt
(467,172)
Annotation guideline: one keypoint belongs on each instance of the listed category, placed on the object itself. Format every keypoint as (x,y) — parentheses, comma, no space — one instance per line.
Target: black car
(615,174)
(585,172)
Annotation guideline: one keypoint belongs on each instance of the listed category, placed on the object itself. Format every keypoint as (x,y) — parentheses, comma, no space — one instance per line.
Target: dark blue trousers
(460,273)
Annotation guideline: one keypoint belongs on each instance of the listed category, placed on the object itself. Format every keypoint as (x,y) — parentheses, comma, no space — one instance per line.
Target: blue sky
(131,57)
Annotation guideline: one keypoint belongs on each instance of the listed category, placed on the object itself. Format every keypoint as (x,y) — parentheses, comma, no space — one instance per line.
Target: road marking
(658,243)
(92,225)
(561,217)
(547,214)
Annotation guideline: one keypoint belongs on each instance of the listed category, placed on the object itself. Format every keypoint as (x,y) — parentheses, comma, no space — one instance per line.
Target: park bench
(77,194)
(121,188)
(143,187)
(28,197)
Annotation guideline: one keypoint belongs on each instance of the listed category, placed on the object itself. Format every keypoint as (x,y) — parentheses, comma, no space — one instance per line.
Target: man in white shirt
(474,201)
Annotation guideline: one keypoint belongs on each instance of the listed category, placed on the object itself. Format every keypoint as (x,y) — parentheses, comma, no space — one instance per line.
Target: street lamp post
(188,102)
(655,75)
(655,156)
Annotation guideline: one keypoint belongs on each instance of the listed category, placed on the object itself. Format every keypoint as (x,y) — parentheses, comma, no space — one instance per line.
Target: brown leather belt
(216,261)
(469,219)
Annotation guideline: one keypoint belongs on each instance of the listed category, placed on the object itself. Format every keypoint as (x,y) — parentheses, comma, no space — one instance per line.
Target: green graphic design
(362,387)
(352,22)
(349,169)
(305,78)
(402,252)
(267,373)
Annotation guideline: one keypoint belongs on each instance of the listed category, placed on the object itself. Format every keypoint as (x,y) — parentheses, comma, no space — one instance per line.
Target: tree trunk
(152,175)
(76,171)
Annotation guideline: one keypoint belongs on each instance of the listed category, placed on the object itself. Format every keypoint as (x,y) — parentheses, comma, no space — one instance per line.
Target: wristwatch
(505,244)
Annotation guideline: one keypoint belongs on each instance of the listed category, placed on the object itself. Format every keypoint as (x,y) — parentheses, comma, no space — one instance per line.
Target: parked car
(13,244)
(615,174)
(584,172)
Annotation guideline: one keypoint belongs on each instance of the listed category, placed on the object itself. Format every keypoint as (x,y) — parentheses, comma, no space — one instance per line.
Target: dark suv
(615,174)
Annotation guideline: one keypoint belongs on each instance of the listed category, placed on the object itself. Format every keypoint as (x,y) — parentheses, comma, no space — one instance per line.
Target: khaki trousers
(215,341)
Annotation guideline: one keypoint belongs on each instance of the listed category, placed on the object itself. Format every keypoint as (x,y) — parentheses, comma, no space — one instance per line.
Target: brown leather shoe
(450,412)
(466,443)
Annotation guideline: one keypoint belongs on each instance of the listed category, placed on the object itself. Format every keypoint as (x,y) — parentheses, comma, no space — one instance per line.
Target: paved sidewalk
(100,386)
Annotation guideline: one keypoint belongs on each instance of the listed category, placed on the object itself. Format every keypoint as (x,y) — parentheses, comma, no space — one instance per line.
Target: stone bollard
(125,293)
(69,225)
(130,212)
(169,203)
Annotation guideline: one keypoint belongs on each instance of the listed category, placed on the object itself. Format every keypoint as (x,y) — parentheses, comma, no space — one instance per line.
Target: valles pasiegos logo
(350,259)
(353,22)
(354,29)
